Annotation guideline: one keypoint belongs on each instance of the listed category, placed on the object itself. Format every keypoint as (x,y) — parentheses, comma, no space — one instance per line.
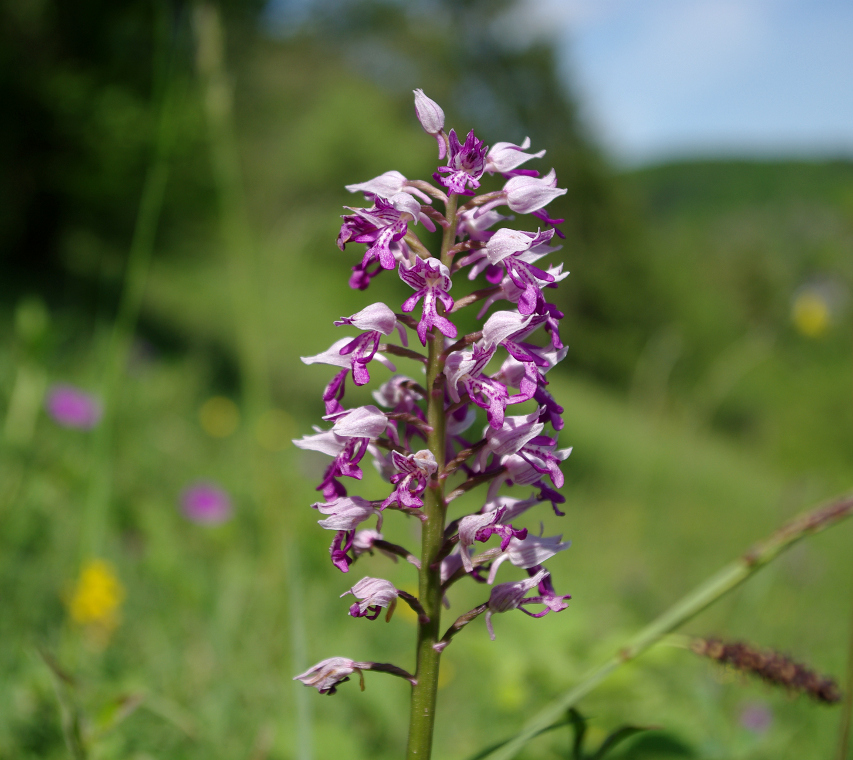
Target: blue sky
(663,78)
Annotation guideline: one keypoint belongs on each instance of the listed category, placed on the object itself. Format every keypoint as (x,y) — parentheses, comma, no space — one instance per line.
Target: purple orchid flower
(465,164)
(510,596)
(465,368)
(528,551)
(347,442)
(388,185)
(481,527)
(431,281)
(426,435)
(381,226)
(326,675)
(372,594)
(505,157)
(508,247)
(346,513)
(414,469)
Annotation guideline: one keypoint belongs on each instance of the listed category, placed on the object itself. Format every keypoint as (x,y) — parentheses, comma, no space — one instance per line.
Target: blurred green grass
(697,430)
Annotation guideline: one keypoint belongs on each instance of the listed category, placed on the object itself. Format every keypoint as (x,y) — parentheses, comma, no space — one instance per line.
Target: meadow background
(172,177)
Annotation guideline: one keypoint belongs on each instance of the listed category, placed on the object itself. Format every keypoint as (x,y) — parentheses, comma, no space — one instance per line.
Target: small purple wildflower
(73,408)
(206,503)
(756,717)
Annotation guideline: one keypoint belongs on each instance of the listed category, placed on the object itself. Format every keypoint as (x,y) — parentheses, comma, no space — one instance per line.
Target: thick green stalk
(731,576)
(422,718)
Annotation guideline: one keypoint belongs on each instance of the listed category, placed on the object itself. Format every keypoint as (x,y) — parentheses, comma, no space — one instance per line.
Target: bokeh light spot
(810,314)
(219,417)
(274,430)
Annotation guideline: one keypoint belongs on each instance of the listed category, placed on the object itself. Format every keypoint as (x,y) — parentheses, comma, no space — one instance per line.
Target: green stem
(705,594)
(135,278)
(422,718)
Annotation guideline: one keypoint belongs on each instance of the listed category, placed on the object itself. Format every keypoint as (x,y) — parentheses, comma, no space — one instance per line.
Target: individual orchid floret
(372,594)
(481,527)
(386,223)
(505,158)
(327,674)
(512,507)
(509,329)
(353,354)
(508,290)
(398,394)
(431,281)
(387,185)
(507,247)
(411,478)
(510,438)
(528,466)
(510,596)
(431,117)
(377,317)
(465,164)
(529,551)
(475,224)
(526,195)
(346,513)
(364,540)
(514,374)
(347,442)
(464,368)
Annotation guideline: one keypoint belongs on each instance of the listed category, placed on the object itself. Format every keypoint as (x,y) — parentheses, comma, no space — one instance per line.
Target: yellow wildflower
(811,314)
(97,597)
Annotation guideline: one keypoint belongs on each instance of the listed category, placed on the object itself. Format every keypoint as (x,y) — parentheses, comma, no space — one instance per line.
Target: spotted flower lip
(481,527)
(465,164)
(72,407)
(431,281)
(381,226)
(412,470)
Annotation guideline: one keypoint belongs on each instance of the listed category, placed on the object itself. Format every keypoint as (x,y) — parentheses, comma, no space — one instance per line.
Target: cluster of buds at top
(422,434)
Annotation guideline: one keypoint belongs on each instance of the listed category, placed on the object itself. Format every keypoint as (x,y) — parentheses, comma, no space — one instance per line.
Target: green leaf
(579,724)
(618,736)
(488,750)
(115,711)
